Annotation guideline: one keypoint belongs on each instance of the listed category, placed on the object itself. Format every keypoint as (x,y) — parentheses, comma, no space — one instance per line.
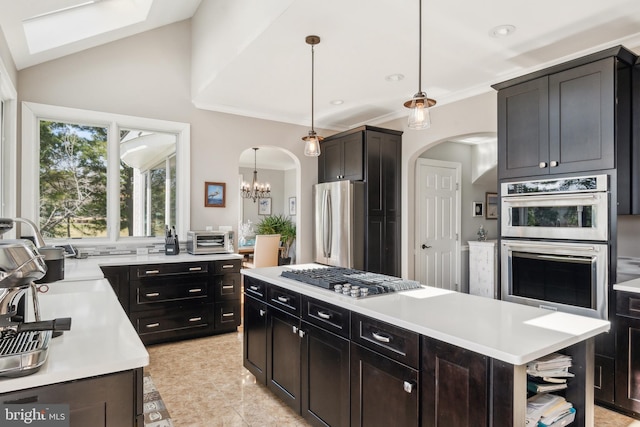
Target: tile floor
(204,384)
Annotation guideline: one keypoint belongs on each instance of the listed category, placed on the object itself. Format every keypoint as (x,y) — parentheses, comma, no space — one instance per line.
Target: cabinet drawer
(628,304)
(327,316)
(162,292)
(180,319)
(227,266)
(227,315)
(227,287)
(284,299)
(397,343)
(153,270)
(256,288)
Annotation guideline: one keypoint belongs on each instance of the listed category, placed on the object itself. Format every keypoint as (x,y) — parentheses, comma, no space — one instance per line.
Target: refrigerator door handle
(323,222)
(329,232)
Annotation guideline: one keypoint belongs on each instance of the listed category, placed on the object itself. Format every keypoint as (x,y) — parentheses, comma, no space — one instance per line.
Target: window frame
(32,113)
(8,148)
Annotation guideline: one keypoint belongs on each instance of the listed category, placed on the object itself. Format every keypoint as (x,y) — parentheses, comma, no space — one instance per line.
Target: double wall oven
(554,244)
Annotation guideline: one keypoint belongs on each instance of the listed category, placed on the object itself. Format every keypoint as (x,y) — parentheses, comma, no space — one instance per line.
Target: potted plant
(282,225)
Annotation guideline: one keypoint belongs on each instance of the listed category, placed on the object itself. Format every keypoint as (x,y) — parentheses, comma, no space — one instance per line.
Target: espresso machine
(24,344)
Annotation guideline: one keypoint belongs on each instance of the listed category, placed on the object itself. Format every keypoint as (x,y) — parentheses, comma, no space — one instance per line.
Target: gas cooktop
(351,282)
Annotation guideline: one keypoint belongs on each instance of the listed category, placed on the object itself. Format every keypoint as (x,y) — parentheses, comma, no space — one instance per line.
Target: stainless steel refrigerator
(339,223)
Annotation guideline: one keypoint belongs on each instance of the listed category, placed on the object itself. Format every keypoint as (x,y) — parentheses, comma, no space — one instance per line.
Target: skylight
(80,21)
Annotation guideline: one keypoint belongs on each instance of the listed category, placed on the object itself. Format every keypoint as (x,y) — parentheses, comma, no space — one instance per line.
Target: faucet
(6,224)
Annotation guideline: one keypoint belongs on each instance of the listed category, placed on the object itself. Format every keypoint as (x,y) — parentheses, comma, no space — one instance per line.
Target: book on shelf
(536,385)
(561,419)
(553,361)
(545,405)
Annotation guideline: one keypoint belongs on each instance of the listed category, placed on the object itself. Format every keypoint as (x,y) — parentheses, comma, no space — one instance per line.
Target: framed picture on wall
(477,209)
(292,206)
(214,194)
(492,205)
(264,206)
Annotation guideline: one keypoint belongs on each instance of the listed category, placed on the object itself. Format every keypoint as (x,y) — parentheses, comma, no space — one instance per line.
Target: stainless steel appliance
(351,282)
(23,344)
(563,276)
(338,237)
(574,208)
(210,242)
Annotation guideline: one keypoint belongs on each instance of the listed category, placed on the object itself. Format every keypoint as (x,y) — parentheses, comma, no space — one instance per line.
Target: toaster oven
(210,242)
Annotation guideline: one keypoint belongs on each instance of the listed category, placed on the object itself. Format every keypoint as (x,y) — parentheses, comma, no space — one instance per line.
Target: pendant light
(257,190)
(419,117)
(312,141)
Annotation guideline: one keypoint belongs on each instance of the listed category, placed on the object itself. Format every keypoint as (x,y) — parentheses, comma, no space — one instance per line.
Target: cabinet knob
(262,313)
(301,333)
(542,165)
(295,329)
(408,386)
(553,163)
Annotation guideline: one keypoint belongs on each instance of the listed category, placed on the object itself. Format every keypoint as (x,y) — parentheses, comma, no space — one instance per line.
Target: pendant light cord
(312,81)
(420,46)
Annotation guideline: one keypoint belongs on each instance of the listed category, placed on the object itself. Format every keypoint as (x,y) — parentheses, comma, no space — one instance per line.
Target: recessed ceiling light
(502,31)
(394,77)
(337,102)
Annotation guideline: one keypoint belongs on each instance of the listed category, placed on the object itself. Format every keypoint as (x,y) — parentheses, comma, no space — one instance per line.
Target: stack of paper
(549,410)
(549,373)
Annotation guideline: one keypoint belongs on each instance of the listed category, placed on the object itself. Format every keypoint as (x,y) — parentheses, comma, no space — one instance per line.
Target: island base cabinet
(283,357)
(325,378)
(383,392)
(628,364)
(255,338)
(454,386)
(113,400)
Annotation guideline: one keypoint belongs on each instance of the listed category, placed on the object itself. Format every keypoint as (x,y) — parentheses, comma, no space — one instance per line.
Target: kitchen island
(457,357)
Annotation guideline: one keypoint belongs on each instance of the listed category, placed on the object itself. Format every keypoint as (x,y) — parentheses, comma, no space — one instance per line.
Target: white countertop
(102,339)
(510,332)
(628,286)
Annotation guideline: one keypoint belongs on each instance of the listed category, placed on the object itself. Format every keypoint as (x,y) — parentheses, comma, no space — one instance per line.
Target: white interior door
(437,251)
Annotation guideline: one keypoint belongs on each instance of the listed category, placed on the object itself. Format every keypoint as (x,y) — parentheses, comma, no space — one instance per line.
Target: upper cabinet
(342,158)
(565,119)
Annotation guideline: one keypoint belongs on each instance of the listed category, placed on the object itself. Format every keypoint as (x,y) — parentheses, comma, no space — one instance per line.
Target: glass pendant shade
(312,144)
(419,117)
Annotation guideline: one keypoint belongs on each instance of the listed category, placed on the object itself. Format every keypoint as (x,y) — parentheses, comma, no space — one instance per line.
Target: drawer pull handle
(324,315)
(283,299)
(195,268)
(227,266)
(153,325)
(254,288)
(227,287)
(195,319)
(195,290)
(381,337)
(152,272)
(227,314)
(153,294)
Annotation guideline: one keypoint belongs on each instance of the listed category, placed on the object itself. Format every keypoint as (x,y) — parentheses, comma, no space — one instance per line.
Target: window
(8,147)
(103,176)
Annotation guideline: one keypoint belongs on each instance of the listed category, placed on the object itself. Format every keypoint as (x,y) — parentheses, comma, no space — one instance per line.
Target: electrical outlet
(142,251)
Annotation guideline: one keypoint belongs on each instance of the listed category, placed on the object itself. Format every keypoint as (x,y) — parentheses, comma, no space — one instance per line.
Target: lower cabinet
(454,386)
(255,338)
(283,357)
(113,400)
(383,392)
(627,362)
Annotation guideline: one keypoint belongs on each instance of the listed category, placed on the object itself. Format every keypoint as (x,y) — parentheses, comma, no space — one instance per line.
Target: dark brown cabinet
(284,357)
(460,400)
(255,329)
(372,155)
(564,119)
(113,400)
(627,393)
(172,301)
(342,158)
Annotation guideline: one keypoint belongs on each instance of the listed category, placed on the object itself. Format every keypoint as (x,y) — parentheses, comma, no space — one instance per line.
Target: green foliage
(278,224)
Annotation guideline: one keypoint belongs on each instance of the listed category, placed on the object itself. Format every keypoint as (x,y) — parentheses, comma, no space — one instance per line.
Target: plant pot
(284,261)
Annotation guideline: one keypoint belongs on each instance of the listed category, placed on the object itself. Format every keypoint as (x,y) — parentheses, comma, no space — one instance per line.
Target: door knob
(425,246)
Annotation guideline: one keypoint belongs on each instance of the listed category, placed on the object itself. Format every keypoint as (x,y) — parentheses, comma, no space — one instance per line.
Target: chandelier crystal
(257,190)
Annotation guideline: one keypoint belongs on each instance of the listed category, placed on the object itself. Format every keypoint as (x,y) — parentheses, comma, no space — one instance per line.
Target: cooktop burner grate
(351,282)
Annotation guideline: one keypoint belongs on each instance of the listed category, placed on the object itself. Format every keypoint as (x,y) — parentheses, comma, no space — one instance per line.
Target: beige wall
(148,75)
(7,60)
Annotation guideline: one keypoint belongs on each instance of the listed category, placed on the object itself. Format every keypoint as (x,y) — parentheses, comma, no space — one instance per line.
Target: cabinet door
(523,129)
(330,161)
(581,118)
(383,245)
(383,392)
(353,157)
(628,363)
(283,357)
(255,338)
(118,277)
(325,377)
(383,154)
(454,386)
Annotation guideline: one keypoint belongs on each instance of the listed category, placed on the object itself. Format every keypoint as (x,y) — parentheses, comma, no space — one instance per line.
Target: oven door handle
(555,198)
(566,259)
(533,245)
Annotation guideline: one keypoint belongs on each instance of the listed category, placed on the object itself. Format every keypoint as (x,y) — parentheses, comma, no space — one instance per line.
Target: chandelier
(312,140)
(419,117)
(257,190)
